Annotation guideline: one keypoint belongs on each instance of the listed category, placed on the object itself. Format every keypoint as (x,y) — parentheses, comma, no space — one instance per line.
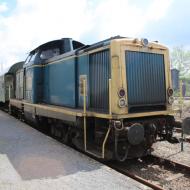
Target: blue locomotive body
(113,96)
(56,80)
(33,90)
(51,81)
(60,83)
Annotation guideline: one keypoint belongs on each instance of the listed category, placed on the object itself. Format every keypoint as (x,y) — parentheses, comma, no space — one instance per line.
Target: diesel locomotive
(112,99)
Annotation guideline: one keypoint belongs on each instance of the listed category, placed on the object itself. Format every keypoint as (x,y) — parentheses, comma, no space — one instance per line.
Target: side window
(49,53)
(56,51)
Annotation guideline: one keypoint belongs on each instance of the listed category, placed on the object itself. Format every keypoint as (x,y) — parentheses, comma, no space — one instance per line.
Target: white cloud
(33,22)
(3,7)
(124,18)
(158,9)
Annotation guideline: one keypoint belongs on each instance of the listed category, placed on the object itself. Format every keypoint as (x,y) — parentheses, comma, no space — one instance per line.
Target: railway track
(119,167)
(155,172)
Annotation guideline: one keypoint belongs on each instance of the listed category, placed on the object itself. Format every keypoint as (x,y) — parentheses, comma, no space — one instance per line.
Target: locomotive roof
(53,43)
(99,44)
(85,47)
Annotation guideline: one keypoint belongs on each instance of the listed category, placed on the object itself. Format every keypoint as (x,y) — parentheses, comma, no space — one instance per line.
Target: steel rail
(156,160)
(135,177)
(169,163)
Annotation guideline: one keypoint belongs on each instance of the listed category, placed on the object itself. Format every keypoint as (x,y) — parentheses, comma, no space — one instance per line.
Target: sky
(25,24)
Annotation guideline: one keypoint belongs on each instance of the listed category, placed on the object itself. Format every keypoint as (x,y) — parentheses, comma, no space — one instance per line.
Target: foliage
(180,59)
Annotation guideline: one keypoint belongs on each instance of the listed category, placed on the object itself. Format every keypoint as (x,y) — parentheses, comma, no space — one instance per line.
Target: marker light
(170,91)
(122,102)
(121,92)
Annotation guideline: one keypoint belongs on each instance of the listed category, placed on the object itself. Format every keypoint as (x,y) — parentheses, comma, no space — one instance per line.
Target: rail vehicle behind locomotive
(8,84)
(112,98)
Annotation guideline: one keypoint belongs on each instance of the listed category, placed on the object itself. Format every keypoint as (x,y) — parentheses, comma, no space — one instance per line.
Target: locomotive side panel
(99,68)
(33,84)
(46,85)
(82,71)
(28,84)
(95,68)
(61,83)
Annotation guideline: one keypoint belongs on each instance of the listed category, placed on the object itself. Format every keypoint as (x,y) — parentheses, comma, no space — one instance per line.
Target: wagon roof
(14,68)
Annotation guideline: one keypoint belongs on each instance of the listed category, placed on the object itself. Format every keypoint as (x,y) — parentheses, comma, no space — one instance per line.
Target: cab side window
(49,53)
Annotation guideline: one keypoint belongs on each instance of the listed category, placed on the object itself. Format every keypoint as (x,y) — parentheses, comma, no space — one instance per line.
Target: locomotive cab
(41,55)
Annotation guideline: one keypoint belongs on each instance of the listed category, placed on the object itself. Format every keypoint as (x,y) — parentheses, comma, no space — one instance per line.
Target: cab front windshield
(30,59)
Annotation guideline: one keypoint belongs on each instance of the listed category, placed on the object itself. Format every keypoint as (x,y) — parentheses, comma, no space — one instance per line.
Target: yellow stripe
(79,113)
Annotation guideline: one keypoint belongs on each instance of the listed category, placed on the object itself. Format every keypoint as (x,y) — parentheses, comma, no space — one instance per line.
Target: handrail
(84,111)
(110,98)
(85,127)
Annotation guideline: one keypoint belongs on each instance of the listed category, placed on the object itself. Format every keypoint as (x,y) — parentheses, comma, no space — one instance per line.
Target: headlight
(144,41)
(171,100)
(121,93)
(170,91)
(122,102)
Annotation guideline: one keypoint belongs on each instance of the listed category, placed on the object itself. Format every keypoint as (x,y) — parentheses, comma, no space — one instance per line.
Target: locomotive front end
(142,96)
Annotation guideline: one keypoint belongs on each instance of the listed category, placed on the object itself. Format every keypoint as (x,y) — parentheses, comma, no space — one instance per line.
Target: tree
(180,59)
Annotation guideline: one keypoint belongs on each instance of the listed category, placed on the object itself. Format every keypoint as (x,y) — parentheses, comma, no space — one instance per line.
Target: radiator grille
(146,81)
(99,65)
